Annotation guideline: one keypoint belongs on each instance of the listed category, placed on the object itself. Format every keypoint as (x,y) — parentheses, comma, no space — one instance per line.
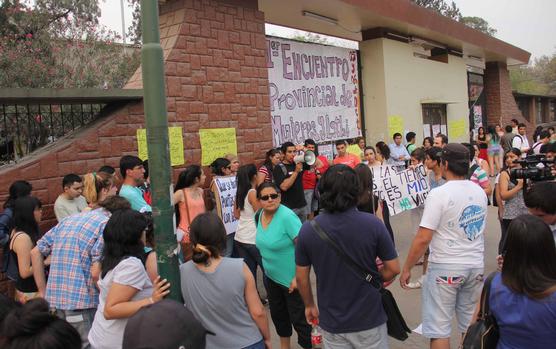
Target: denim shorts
(449,289)
(312,202)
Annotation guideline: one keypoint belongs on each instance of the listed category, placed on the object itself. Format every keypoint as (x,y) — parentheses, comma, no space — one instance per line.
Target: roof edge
(408,12)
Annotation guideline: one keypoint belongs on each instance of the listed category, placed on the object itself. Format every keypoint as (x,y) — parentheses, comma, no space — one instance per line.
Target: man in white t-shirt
(520,141)
(453,224)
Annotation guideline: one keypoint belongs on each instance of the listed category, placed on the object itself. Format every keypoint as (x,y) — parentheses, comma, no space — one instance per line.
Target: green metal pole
(157,141)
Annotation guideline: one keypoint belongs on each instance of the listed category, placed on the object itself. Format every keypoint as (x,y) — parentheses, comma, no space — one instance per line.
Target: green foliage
(58,44)
(449,10)
(310,37)
(526,80)
(479,24)
(545,71)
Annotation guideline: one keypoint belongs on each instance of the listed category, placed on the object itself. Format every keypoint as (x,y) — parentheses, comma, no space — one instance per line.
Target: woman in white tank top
(246,205)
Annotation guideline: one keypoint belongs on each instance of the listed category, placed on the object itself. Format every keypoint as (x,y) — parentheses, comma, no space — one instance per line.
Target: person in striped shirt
(476,174)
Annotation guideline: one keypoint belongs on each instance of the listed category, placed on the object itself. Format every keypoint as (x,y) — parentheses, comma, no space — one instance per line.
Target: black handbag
(397,327)
(484,333)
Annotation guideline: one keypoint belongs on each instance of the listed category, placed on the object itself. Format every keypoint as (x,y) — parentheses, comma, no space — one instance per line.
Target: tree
(58,44)
(310,37)
(452,11)
(441,6)
(545,71)
(134,30)
(524,80)
(479,24)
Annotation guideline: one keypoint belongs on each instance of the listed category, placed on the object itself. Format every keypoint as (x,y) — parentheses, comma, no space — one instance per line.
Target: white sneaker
(417,284)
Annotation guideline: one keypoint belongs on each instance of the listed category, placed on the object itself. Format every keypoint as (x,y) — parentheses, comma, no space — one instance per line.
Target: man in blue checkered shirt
(74,246)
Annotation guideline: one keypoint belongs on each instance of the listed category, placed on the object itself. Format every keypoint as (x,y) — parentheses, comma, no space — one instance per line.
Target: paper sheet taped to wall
(175,140)
(216,143)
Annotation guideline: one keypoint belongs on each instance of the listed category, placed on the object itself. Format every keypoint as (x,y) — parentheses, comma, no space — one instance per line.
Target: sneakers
(417,284)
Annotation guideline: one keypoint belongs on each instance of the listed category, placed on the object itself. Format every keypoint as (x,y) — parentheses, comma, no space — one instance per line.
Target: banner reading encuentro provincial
(314,91)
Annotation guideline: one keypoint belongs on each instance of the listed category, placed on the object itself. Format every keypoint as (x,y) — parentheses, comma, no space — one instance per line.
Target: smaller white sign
(403,190)
(226,188)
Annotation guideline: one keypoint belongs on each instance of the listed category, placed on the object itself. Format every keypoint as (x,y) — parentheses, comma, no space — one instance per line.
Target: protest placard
(217,143)
(403,190)
(226,188)
(175,143)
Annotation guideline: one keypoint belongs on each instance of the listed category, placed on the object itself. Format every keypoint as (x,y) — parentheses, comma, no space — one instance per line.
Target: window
(434,120)
(539,110)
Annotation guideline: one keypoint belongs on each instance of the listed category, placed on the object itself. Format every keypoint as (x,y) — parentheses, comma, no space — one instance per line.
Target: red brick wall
(500,102)
(216,76)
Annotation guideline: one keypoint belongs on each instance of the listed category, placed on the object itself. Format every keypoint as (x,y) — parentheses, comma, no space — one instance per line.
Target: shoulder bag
(185,243)
(397,327)
(9,266)
(483,334)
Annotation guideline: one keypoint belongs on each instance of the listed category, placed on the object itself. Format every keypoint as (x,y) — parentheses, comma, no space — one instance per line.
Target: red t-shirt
(309,178)
(350,159)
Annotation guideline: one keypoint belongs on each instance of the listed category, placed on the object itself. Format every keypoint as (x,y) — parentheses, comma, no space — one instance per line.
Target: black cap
(455,152)
(164,325)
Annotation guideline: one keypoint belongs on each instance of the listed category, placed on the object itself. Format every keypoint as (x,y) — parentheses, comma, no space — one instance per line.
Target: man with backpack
(520,141)
(507,139)
(410,138)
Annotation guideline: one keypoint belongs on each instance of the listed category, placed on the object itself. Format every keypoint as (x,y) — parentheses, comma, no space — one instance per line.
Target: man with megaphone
(288,177)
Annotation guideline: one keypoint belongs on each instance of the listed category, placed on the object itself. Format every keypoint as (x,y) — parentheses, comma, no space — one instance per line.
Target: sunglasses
(271,196)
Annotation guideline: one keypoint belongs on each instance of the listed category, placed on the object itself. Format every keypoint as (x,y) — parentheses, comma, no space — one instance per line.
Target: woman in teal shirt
(277,229)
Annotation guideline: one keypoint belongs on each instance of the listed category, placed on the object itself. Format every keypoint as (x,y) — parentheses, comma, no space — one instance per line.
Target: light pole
(154,101)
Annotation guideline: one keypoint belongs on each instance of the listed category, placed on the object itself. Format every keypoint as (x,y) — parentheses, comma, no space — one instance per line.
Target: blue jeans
(81,320)
(229,252)
(251,256)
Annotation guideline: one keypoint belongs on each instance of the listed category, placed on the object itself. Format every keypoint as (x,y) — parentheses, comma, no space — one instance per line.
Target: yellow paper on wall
(216,143)
(142,152)
(175,140)
(456,128)
(395,124)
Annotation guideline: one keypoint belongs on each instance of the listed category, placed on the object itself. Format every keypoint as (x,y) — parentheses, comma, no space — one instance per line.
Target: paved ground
(410,301)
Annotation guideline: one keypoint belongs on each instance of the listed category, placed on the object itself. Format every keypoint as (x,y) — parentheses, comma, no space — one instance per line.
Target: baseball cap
(455,152)
(164,325)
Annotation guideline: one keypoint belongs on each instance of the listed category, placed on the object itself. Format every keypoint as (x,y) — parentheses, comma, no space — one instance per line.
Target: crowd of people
(92,279)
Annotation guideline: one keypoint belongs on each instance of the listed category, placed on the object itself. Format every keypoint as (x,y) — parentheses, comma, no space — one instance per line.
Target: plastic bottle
(316,336)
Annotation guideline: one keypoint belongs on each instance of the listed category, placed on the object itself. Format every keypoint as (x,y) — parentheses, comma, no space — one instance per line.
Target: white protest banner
(403,190)
(226,188)
(379,174)
(313,90)
(326,150)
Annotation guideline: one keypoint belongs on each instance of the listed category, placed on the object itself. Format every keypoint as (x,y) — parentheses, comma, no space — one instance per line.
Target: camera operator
(550,151)
(511,191)
(537,200)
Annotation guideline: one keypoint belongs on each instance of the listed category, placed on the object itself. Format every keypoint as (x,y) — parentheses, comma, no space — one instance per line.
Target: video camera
(534,167)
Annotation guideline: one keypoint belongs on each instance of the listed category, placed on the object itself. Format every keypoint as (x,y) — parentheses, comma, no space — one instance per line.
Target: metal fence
(26,128)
